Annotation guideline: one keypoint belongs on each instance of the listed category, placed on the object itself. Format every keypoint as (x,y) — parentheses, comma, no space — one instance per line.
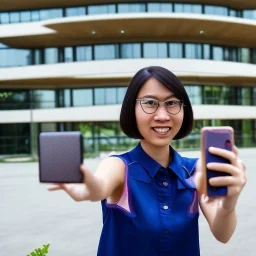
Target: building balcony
(115,28)
(29,4)
(120,71)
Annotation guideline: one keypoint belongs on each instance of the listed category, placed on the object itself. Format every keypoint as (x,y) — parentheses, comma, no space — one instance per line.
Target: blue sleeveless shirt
(158,211)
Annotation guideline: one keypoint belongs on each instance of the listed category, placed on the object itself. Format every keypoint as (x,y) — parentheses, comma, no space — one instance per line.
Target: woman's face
(159,128)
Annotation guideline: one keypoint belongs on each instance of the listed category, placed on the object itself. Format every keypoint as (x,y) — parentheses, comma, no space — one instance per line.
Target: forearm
(224,223)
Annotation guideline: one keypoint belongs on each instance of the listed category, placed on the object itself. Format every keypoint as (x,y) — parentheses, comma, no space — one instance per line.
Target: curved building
(65,65)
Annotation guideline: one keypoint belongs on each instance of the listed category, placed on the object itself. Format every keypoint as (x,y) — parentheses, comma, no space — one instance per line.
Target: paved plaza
(30,216)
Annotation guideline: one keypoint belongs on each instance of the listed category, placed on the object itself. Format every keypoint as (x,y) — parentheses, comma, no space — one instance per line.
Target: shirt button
(166,207)
(165,183)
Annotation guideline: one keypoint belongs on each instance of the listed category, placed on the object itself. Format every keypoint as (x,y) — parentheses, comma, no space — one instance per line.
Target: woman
(149,194)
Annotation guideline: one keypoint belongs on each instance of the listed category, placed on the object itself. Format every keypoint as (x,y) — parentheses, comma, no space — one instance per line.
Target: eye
(172,103)
(150,103)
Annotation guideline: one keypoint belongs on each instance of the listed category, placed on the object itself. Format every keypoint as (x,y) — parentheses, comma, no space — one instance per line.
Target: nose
(161,114)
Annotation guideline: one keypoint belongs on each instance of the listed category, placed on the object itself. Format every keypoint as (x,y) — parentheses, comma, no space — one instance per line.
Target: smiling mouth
(162,131)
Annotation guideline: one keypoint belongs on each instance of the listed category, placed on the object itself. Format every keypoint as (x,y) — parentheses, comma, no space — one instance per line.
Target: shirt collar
(148,163)
(151,167)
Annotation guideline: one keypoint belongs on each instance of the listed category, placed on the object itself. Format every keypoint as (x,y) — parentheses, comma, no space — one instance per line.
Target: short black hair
(170,81)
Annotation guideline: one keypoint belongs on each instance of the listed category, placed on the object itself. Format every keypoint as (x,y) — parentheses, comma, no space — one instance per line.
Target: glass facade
(167,7)
(17,138)
(107,136)
(40,99)
(11,57)
(14,139)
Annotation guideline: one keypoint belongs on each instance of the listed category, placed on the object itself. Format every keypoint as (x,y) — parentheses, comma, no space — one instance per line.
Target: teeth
(161,130)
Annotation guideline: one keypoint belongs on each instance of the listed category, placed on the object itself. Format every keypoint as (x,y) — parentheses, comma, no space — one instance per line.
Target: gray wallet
(60,156)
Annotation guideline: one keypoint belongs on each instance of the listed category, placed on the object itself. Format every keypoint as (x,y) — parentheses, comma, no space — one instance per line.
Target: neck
(160,154)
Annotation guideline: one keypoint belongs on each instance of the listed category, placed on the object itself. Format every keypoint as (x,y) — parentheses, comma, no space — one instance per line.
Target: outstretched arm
(220,211)
(106,182)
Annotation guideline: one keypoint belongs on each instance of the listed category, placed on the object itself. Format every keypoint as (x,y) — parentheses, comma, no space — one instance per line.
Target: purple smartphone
(220,137)
(60,156)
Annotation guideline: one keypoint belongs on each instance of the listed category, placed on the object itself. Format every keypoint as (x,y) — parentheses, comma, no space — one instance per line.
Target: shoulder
(111,170)
(113,162)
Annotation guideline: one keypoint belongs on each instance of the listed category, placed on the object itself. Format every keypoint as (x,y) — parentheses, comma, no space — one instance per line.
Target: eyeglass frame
(160,103)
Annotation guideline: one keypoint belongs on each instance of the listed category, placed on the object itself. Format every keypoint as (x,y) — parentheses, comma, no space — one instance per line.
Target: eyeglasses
(150,106)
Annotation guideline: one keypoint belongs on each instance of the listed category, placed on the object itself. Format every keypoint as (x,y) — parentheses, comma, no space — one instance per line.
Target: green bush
(40,252)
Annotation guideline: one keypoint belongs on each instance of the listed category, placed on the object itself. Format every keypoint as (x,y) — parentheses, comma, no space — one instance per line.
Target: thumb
(86,173)
(90,180)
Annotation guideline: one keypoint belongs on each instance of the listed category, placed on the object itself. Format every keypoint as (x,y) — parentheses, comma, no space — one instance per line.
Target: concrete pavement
(30,216)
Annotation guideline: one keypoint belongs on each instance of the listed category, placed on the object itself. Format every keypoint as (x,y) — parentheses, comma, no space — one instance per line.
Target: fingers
(233,156)
(222,167)
(235,150)
(229,155)
(222,181)
(55,187)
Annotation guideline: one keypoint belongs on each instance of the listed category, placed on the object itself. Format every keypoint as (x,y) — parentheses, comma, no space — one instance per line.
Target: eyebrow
(154,97)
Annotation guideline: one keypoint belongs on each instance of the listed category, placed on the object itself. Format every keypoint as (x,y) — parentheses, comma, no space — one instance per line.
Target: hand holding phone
(60,157)
(220,137)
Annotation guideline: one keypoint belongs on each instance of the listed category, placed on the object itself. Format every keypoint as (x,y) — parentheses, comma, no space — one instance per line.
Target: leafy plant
(39,251)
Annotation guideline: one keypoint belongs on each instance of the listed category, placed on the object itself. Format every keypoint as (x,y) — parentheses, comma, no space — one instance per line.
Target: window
(15,57)
(106,52)
(125,8)
(14,99)
(233,54)
(25,16)
(67,98)
(175,50)
(195,93)
(35,16)
(218,53)
(233,13)
(75,11)
(188,8)
(155,50)
(50,14)
(55,13)
(83,53)
(44,98)
(110,95)
(216,10)
(246,96)
(99,96)
(129,51)
(14,17)
(219,95)
(211,94)
(15,139)
(207,51)
(82,97)
(101,9)
(249,14)
(51,55)
(244,55)
(4,18)
(68,54)
(159,7)
(121,93)
(193,51)
(38,56)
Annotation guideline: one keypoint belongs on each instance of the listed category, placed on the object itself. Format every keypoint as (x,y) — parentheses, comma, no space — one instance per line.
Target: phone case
(220,137)
(60,157)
